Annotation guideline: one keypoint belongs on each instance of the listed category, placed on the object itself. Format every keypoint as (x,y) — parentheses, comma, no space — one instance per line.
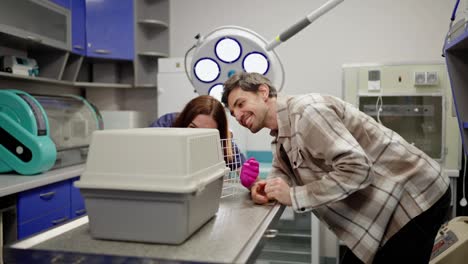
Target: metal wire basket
(232,156)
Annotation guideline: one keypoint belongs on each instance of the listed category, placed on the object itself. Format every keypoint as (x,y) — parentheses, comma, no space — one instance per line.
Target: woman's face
(203,121)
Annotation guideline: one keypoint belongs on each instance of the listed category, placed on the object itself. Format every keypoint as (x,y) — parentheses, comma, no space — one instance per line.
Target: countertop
(231,236)
(15,183)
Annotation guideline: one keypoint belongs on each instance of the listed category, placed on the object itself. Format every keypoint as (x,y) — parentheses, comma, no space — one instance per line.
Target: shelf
(103,85)
(153,54)
(152,39)
(458,34)
(113,85)
(75,84)
(35,79)
(153,23)
(149,85)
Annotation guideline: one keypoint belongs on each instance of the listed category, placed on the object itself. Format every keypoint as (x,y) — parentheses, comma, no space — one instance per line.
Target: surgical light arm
(301,24)
(231,49)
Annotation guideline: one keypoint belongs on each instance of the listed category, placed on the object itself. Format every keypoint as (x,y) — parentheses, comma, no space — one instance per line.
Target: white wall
(356,31)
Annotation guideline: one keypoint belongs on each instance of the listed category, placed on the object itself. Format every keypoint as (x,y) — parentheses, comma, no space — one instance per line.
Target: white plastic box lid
(178,160)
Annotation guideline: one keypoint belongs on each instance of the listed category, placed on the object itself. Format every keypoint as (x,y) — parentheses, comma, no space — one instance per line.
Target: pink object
(249,172)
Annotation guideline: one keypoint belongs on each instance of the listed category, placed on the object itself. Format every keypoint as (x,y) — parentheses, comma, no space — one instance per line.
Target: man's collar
(282,116)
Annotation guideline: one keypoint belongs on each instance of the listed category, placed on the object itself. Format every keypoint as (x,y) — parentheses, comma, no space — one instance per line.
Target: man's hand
(258,192)
(278,189)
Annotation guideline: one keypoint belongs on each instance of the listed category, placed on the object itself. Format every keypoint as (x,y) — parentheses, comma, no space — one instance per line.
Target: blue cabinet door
(109,29)
(77,202)
(78,27)
(63,3)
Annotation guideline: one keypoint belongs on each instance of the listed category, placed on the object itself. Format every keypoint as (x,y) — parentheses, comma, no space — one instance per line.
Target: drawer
(77,201)
(40,201)
(35,226)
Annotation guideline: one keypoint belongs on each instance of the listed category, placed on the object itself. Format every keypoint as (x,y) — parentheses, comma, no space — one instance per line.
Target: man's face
(249,109)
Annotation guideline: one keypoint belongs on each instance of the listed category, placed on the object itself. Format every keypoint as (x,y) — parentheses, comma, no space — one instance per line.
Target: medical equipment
(419,109)
(41,131)
(19,65)
(451,244)
(417,118)
(169,187)
(230,49)
(26,146)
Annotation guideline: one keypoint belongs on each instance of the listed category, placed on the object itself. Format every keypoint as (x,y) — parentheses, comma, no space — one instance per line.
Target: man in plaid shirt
(383,197)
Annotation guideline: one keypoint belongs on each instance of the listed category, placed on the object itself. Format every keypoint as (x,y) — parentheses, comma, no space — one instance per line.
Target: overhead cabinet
(109,29)
(78,10)
(36,21)
(63,3)
(112,44)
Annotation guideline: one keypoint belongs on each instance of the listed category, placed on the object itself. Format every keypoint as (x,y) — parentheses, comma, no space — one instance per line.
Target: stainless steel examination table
(234,235)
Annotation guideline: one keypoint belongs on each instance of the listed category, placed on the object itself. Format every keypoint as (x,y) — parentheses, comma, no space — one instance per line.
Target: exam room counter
(234,235)
(14,183)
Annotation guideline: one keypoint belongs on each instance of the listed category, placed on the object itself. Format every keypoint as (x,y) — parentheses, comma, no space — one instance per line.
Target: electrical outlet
(419,78)
(426,78)
(432,78)
(373,80)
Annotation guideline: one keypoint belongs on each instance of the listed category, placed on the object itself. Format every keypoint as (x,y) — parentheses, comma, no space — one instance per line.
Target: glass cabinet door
(42,22)
(417,118)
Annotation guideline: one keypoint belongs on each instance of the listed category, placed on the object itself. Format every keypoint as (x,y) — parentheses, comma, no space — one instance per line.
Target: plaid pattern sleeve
(360,178)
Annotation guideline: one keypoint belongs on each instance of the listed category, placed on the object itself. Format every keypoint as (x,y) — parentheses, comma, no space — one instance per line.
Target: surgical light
(230,49)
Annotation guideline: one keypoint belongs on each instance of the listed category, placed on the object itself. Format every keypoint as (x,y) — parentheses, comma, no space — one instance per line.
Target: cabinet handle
(58,221)
(47,196)
(102,51)
(36,39)
(80,212)
(78,47)
(270,233)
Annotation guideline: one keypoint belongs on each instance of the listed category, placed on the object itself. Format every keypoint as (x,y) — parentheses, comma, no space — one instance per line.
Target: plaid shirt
(360,178)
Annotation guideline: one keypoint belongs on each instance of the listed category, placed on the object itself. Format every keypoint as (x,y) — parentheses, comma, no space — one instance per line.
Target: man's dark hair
(248,82)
